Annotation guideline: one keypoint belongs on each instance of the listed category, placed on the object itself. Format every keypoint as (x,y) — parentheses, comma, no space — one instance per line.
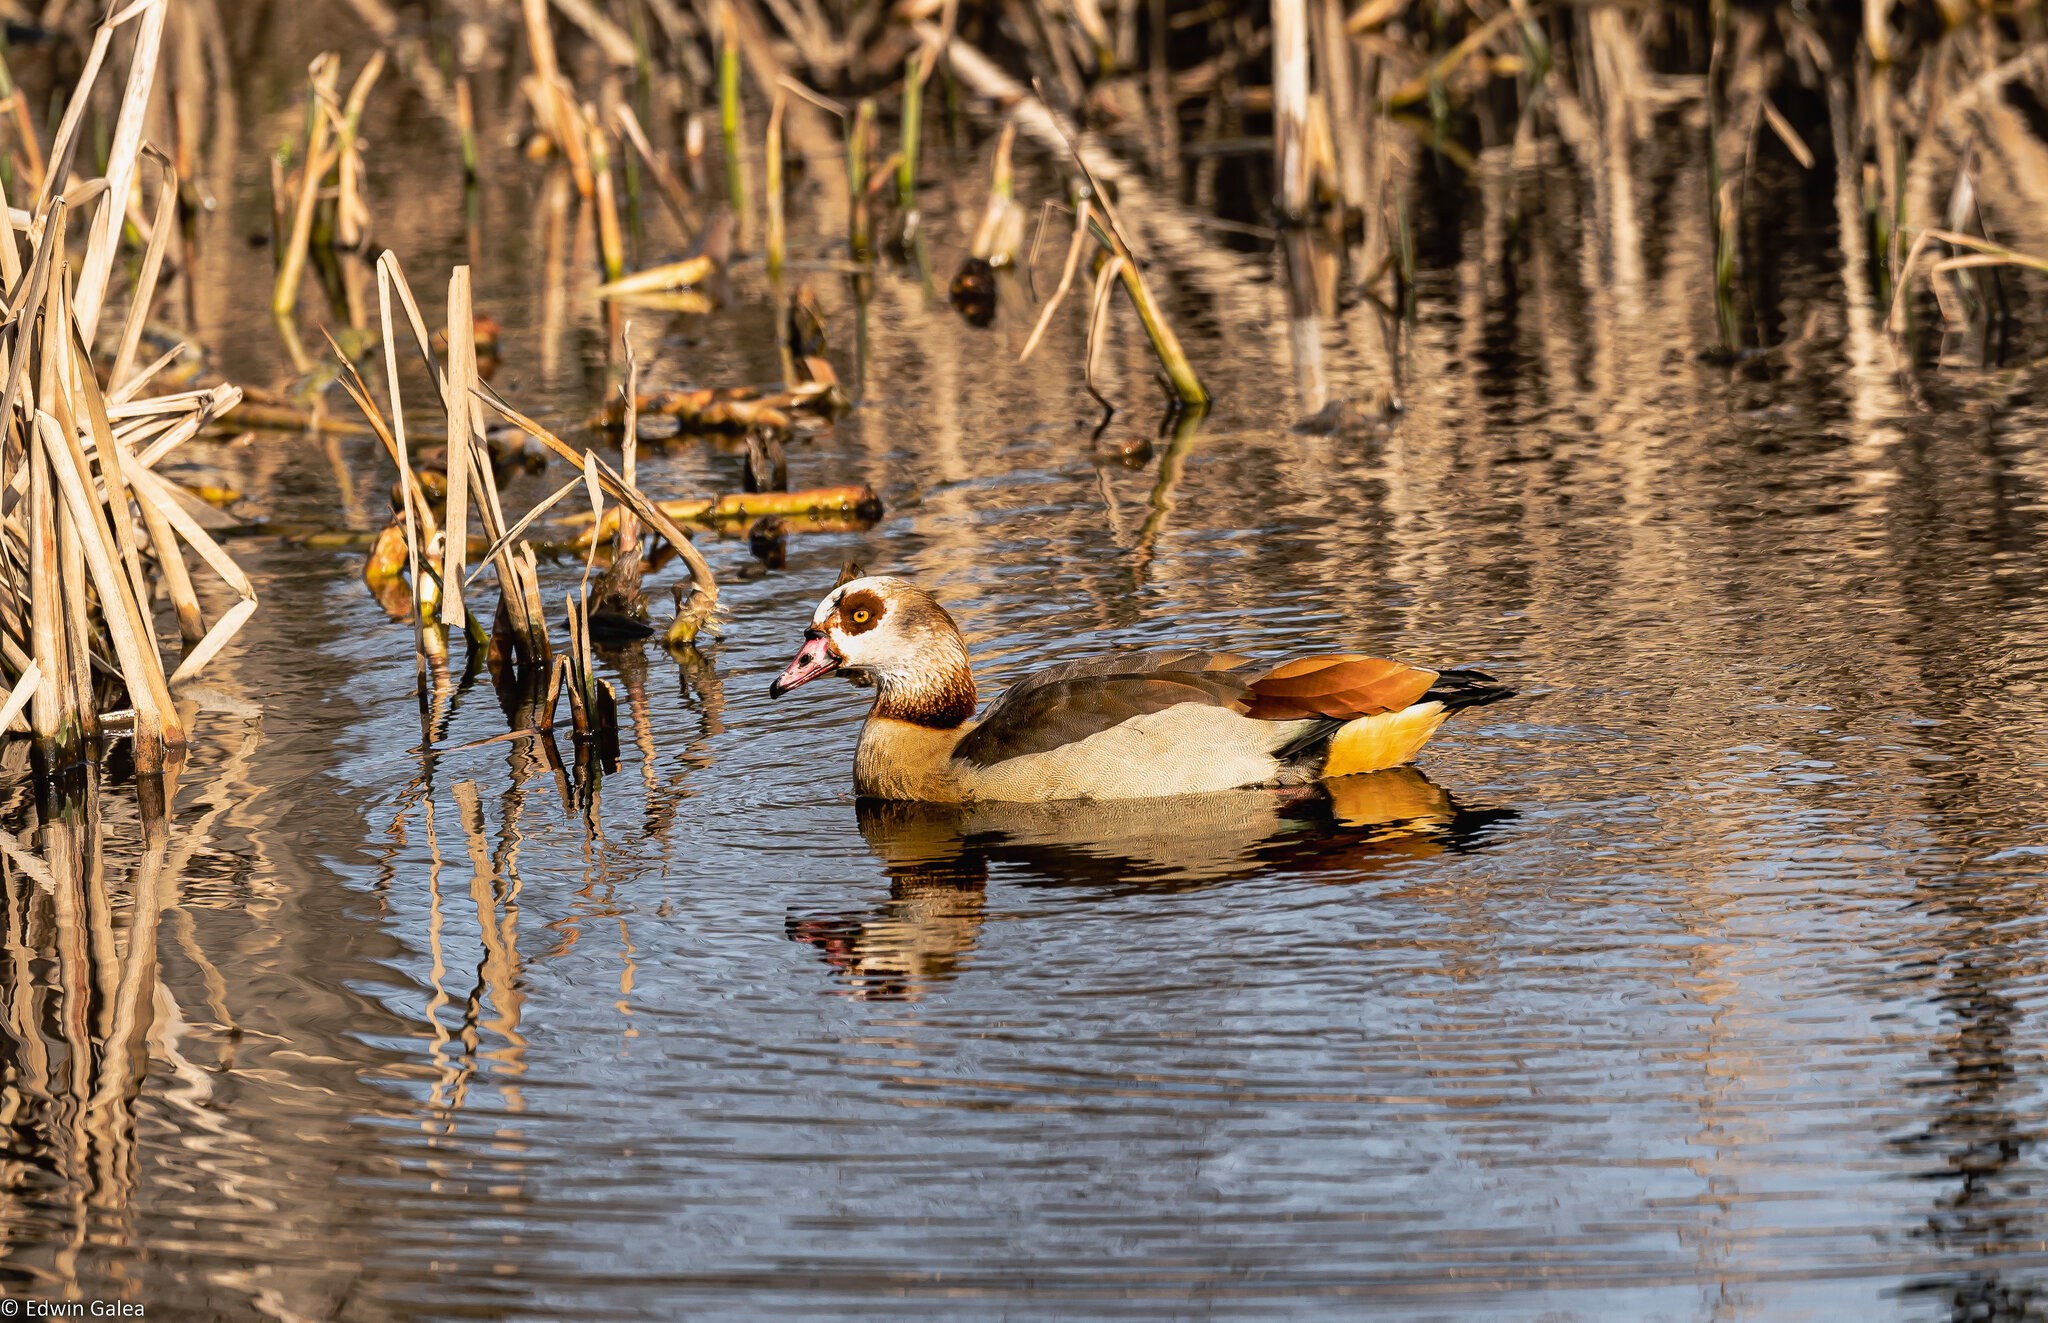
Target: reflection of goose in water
(938,857)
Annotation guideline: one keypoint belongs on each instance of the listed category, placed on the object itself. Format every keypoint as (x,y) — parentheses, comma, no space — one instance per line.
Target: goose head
(895,636)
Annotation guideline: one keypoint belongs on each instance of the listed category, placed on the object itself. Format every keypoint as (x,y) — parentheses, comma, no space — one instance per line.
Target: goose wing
(1064,704)
(1070,702)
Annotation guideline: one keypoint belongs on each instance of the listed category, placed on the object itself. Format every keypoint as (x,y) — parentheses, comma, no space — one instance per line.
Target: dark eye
(860,617)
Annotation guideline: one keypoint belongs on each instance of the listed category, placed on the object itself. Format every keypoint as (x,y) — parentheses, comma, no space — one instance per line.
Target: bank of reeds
(91,537)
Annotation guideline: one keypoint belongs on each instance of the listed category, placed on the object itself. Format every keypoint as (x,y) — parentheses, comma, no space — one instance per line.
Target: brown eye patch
(859,612)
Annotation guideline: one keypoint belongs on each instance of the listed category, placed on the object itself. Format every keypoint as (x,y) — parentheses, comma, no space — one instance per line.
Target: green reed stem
(913,118)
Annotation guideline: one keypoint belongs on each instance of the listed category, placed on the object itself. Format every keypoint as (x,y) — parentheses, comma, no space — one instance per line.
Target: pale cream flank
(1189,749)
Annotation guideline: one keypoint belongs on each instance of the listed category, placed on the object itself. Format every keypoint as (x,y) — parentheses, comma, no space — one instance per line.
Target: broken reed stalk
(553,100)
(776,237)
(671,188)
(455,399)
(284,297)
(585,713)
(1291,108)
(859,215)
(519,624)
(730,116)
(627,543)
(104,245)
(611,247)
(125,597)
(352,214)
(465,127)
(1187,387)
(1002,221)
(156,721)
(1075,247)
(1104,284)
(53,713)
(152,268)
(914,72)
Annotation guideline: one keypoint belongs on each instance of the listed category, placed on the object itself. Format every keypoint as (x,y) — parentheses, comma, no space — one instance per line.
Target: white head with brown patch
(894,635)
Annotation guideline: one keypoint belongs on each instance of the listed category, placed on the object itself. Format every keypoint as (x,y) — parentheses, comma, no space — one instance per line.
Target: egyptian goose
(1128,725)
(1125,726)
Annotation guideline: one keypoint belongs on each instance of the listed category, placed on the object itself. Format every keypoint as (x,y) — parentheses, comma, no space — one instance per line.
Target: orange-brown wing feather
(1343,686)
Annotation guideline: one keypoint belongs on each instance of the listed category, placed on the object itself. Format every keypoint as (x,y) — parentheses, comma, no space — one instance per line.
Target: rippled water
(1705,980)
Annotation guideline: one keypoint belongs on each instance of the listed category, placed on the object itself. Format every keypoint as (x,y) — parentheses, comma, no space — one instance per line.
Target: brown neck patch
(941,701)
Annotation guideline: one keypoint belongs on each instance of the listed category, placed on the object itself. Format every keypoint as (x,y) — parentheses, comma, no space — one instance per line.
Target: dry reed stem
(554,101)
(540,38)
(112,462)
(29,295)
(65,144)
(819,503)
(469,462)
(525,521)
(674,275)
(608,36)
(1097,318)
(455,545)
(425,342)
(221,401)
(104,245)
(776,236)
(53,711)
(18,698)
(322,74)
(155,724)
(351,213)
(628,540)
(1999,253)
(152,267)
(1417,89)
(1291,107)
(429,639)
(666,183)
(611,246)
(1002,221)
(860,238)
(1075,246)
(177,575)
(649,513)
